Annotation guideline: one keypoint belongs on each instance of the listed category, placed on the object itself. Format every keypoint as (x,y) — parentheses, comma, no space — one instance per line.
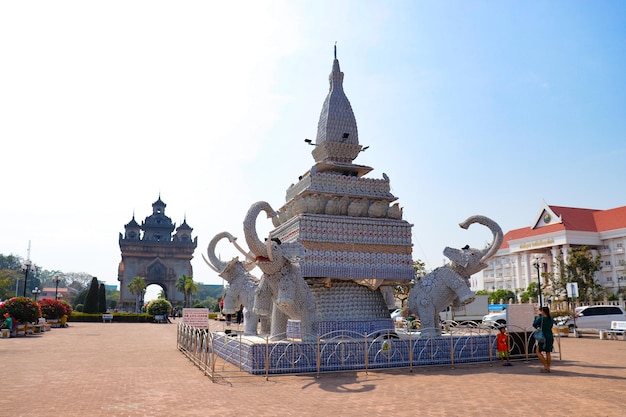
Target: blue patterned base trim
(341,353)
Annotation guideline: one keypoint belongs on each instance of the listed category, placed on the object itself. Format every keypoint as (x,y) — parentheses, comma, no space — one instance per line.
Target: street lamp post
(26,266)
(538,261)
(56,278)
(36,292)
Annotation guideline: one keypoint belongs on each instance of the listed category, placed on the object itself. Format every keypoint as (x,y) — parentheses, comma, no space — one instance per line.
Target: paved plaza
(123,369)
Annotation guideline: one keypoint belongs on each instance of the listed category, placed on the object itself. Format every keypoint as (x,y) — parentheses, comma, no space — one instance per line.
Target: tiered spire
(337,134)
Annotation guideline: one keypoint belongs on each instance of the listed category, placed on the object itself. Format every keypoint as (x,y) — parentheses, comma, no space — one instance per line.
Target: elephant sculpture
(242,285)
(450,283)
(282,289)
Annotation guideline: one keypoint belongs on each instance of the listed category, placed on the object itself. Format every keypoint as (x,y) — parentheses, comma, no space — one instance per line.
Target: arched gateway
(150,251)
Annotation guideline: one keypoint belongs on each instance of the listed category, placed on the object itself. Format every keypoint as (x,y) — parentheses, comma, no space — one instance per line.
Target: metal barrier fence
(221,355)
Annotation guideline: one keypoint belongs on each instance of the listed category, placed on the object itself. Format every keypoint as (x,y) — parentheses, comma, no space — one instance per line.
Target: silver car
(595,317)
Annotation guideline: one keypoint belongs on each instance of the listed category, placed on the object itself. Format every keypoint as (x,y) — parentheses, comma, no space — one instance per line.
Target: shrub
(22,309)
(159,306)
(68,308)
(80,307)
(52,309)
(91,301)
(117,317)
(55,309)
(102,299)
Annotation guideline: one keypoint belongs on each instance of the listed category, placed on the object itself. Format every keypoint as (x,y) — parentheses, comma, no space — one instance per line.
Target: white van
(595,317)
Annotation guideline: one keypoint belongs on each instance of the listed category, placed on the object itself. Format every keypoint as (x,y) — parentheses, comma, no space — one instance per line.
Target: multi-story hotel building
(553,233)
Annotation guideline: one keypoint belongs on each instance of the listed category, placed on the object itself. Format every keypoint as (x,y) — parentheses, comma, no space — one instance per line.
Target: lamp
(537,262)
(56,279)
(310,142)
(26,268)
(35,292)
(364,148)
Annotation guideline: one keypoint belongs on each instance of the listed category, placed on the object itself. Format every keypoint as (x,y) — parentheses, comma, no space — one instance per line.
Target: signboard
(520,317)
(196,317)
(572,289)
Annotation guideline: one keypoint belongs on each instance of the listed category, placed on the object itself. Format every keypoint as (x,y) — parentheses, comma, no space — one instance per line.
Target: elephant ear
(293,251)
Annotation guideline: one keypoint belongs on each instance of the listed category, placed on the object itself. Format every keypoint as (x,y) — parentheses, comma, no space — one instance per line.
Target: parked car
(595,317)
(495,319)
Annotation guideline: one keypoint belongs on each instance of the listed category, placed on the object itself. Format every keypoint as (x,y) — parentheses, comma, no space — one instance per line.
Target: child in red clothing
(502,343)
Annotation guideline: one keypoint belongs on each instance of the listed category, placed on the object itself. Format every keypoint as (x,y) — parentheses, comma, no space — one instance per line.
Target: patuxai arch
(157,251)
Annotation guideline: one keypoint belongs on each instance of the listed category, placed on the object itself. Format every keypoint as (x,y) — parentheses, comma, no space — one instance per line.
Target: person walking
(544,323)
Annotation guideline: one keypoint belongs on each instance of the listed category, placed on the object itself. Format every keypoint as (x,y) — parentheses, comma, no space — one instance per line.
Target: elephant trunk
(495,229)
(217,263)
(257,247)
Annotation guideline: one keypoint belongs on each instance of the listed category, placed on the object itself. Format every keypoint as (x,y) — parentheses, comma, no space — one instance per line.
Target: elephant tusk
(268,245)
(210,266)
(240,249)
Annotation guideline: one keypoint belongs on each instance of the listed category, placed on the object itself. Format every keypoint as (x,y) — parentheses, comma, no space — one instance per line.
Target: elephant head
(222,267)
(472,260)
(271,254)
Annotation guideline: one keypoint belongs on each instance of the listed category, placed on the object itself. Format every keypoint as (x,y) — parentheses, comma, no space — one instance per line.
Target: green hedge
(117,317)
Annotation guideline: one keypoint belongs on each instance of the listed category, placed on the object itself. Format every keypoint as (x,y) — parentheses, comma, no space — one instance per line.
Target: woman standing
(544,323)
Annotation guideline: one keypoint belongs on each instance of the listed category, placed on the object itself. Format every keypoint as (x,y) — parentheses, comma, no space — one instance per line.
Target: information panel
(196,317)
(520,317)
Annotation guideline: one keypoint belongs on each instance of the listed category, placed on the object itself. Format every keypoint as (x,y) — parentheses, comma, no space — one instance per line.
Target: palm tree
(187,286)
(191,288)
(137,287)
(180,286)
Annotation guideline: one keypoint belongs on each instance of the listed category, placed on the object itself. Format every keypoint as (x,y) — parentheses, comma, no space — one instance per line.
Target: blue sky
(476,107)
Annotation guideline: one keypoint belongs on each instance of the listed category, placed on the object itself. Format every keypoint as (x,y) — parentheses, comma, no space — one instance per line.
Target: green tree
(137,287)
(531,293)
(91,300)
(191,287)
(102,299)
(112,295)
(12,262)
(180,286)
(581,267)
(188,287)
(8,278)
(501,295)
(80,298)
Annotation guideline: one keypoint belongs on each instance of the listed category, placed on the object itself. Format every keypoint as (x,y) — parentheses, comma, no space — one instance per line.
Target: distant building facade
(151,251)
(553,233)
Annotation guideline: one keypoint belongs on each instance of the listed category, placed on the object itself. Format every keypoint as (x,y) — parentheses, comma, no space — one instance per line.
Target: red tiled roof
(576,219)
(528,232)
(611,219)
